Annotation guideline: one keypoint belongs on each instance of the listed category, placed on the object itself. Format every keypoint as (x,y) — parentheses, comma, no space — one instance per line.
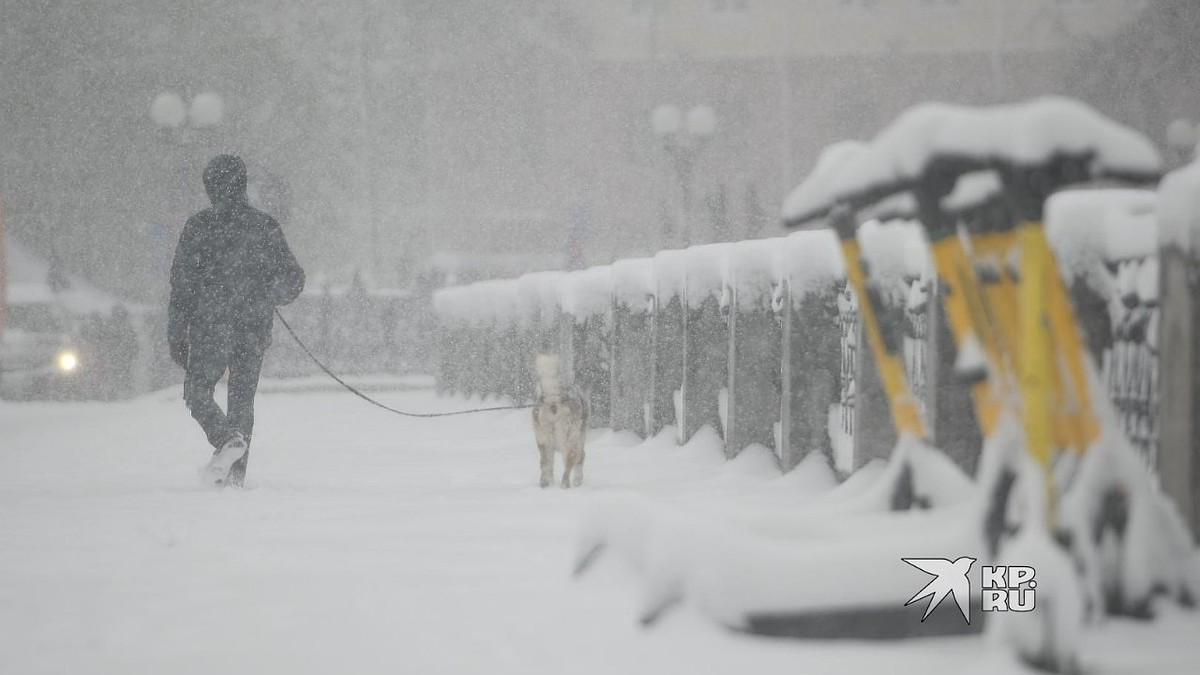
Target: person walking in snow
(232,267)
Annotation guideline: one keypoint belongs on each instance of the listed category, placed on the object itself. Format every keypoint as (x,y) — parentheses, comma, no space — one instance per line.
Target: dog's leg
(576,435)
(569,461)
(573,445)
(566,477)
(575,452)
(562,441)
(547,464)
(561,444)
(577,477)
(545,448)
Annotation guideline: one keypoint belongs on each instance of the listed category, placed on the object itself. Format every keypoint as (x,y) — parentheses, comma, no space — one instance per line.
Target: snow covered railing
(706,347)
(670,335)
(1179,291)
(683,340)
(755,345)
(585,327)
(757,340)
(1107,243)
(896,252)
(633,305)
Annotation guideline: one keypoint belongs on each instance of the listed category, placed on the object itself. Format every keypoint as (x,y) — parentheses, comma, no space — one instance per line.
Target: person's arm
(185,281)
(287,277)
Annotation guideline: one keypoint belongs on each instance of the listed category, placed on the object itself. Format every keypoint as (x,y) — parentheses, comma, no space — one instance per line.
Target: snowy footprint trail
(368,543)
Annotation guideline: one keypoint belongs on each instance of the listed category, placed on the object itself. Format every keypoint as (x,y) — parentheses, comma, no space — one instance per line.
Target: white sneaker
(217,469)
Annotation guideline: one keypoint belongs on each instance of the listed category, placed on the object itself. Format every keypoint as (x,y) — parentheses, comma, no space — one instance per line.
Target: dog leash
(372,401)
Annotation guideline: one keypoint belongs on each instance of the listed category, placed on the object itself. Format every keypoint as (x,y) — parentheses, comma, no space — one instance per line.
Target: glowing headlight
(67,361)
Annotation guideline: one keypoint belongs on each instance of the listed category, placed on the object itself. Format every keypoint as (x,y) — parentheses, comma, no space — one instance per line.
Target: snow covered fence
(539,306)
(480,337)
(633,355)
(1179,257)
(743,338)
(1106,242)
(757,339)
(901,276)
(753,411)
(819,341)
(670,329)
(587,327)
(706,340)
(501,340)
(451,332)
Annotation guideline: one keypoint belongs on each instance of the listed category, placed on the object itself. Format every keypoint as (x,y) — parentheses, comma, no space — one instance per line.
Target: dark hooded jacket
(232,265)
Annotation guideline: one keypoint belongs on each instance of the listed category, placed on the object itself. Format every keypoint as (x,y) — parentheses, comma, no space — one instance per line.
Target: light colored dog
(559,422)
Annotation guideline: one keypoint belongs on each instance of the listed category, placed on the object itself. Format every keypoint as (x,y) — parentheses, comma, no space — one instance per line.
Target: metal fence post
(706,344)
(1179,341)
(812,374)
(587,298)
(632,345)
(1179,399)
(755,348)
(789,455)
(874,433)
(669,331)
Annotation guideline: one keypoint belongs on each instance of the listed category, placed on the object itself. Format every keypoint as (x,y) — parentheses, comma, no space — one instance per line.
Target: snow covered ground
(368,543)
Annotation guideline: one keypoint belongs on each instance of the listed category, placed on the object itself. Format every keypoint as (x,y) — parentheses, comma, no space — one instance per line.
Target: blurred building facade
(516,128)
(557,113)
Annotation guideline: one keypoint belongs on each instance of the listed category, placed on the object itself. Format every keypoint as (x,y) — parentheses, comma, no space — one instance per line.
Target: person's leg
(244,371)
(207,360)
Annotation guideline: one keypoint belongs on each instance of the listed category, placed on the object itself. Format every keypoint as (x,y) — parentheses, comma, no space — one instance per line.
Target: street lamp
(177,120)
(169,111)
(683,137)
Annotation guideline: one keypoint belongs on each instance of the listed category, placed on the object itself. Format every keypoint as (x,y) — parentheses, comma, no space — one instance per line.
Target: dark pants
(208,358)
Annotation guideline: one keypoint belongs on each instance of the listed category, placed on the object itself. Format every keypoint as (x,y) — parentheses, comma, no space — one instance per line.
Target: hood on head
(225,179)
